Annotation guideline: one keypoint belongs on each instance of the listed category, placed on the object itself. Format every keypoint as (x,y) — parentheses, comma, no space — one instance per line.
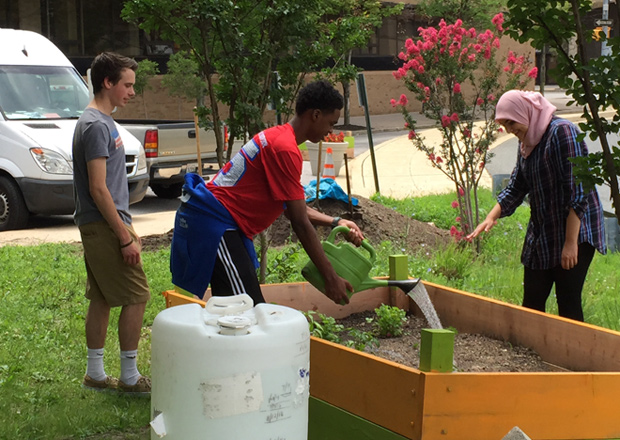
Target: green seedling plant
(360,340)
(325,327)
(389,321)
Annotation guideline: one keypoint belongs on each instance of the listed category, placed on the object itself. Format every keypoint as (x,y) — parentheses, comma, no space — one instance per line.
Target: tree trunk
(146,116)
(346,89)
(219,137)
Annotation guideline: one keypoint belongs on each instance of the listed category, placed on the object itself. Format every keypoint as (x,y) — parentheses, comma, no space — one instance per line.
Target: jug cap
(234,325)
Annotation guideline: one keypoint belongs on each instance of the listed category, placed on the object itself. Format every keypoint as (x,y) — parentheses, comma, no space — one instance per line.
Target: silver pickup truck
(171,152)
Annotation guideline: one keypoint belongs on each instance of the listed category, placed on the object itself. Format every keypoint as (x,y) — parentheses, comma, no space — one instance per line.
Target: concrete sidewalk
(402,170)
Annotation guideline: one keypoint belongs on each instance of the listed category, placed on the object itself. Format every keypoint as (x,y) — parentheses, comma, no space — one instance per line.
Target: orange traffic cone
(328,168)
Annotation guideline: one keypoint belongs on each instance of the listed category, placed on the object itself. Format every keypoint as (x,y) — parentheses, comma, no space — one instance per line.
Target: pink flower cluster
(403,101)
(516,65)
(465,44)
(435,159)
(498,21)
(446,121)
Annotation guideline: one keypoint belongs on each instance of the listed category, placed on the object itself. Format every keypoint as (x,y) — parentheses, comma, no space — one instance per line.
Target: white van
(41,97)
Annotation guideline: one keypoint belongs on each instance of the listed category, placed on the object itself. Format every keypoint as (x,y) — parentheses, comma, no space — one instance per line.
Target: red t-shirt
(257,181)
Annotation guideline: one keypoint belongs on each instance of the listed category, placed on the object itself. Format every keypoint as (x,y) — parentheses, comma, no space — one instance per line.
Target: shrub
(455,73)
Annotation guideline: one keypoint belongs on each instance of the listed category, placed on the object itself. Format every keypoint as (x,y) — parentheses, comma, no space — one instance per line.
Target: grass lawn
(43,353)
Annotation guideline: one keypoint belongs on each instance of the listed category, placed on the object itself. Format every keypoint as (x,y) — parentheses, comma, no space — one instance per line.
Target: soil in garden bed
(472,352)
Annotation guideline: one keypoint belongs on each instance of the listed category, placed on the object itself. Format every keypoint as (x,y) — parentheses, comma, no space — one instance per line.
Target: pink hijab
(527,108)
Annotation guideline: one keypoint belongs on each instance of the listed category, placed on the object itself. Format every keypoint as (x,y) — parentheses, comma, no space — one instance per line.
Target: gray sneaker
(142,388)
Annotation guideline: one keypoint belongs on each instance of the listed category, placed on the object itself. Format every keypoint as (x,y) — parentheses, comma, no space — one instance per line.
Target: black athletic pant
(568,285)
(234,272)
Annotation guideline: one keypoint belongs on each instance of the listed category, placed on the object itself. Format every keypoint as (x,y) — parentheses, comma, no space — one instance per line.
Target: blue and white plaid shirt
(546,175)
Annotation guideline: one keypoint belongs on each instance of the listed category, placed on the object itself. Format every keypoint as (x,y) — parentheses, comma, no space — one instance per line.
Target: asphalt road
(149,205)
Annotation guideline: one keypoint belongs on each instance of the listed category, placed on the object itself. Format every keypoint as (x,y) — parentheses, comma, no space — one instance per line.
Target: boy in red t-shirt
(247,196)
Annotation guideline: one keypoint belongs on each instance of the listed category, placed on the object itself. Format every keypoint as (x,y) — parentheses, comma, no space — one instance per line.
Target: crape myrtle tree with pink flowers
(458,75)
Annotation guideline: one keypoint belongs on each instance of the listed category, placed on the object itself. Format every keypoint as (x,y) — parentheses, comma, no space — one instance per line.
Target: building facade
(84,28)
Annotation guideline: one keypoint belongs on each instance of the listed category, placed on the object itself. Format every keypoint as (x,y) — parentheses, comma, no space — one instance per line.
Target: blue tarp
(328,189)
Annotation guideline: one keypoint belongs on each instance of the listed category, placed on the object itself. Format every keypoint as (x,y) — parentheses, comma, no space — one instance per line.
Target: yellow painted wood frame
(442,406)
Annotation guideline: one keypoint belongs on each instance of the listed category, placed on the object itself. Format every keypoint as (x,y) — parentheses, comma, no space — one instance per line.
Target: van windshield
(36,92)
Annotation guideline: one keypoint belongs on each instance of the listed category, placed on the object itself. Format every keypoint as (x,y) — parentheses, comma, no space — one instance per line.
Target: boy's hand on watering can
(355,235)
(337,291)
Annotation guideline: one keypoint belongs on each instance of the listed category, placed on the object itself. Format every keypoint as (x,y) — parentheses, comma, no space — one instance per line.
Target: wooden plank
(327,422)
(303,297)
(544,405)
(564,342)
(383,392)
(174,298)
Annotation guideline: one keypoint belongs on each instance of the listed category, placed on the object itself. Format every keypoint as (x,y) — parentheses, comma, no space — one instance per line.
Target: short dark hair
(109,65)
(320,95)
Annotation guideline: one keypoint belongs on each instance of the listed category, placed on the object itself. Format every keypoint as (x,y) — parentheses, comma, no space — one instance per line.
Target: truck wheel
(13,211)
(171,191)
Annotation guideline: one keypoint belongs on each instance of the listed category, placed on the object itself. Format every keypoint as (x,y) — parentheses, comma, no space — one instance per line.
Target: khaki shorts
(109,278)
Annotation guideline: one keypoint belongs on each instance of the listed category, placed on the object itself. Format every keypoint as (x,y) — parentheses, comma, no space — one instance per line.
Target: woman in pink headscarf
(566,223)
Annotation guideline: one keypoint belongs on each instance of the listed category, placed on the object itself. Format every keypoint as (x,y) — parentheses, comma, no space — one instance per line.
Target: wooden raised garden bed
(358,396)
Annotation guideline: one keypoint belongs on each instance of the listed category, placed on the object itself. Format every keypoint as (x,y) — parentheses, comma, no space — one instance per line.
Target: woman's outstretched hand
(488,222)
(485,226)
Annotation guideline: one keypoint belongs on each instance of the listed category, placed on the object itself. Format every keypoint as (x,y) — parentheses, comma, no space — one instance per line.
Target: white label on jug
(230,396)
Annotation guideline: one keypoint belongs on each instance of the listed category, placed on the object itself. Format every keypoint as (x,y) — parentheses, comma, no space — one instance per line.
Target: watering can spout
(405,285)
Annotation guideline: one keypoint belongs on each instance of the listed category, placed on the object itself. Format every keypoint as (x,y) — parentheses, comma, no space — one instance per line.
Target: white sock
(94,366)
(129,367)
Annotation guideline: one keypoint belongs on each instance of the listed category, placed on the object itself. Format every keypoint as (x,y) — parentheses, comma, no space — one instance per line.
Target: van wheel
(171,191)
(13,211)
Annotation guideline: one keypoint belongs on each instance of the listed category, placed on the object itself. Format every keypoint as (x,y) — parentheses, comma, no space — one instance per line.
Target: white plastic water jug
(230,371)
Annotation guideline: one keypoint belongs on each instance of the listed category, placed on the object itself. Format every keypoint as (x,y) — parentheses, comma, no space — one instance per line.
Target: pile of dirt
(378,223)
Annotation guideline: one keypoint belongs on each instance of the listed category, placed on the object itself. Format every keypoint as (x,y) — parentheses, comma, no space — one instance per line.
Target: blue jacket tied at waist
(199,225)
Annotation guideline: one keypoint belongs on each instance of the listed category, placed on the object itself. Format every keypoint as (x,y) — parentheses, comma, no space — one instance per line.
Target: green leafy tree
(183,78)
(458,76)
(238,46)
(473,13)
(147,69)
(349,24)
(592,83)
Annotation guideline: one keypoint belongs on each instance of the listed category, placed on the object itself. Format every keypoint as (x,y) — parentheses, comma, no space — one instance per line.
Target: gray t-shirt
(96,136)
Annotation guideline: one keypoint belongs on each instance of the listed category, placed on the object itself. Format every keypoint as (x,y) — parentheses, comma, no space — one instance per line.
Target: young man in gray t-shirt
(115,277)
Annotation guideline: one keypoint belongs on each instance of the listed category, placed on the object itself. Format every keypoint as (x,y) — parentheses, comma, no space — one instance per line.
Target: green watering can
(352,265)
